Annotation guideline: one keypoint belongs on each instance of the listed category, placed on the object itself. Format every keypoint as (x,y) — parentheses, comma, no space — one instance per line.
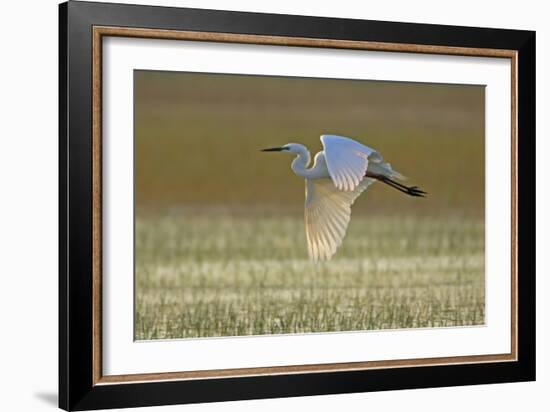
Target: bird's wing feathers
(327,214)
(347,160)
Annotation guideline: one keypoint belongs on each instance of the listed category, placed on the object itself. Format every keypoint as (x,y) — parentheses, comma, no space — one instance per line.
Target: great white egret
(340,173)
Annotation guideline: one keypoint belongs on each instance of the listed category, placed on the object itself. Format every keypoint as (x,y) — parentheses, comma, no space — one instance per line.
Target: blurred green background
(197,139)
(220,242)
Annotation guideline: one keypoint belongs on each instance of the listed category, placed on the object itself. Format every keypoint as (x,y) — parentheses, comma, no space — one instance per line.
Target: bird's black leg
(409,190)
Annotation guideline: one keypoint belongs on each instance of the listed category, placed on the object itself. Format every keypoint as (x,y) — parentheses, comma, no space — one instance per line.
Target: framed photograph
(257,205)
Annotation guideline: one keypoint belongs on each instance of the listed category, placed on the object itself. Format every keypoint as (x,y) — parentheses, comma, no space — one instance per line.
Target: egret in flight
(340,173)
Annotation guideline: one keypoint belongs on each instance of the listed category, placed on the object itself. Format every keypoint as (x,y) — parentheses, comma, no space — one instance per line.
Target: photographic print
(288,205)
(257,205)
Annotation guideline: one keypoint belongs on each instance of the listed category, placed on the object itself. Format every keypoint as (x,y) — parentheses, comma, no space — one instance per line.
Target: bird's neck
(301,162)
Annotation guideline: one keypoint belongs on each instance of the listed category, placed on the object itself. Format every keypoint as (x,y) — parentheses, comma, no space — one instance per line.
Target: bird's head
(289,148)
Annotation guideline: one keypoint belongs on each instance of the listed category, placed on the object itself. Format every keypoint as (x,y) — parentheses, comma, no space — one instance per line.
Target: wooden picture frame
(83,26)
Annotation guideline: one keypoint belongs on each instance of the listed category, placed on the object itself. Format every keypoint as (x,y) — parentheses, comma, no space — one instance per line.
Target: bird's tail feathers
(385,169)
(397,175)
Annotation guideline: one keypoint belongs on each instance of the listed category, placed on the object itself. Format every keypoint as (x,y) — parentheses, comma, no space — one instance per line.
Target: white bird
(340,173)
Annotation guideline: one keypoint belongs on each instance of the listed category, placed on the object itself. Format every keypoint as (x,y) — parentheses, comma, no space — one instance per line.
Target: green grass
(220,273)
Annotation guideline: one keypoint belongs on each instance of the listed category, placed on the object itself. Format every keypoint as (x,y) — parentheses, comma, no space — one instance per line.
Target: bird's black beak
(273,149)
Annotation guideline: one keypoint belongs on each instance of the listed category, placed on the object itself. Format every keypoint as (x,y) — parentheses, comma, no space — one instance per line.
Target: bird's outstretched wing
(347,160)
(327,214)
